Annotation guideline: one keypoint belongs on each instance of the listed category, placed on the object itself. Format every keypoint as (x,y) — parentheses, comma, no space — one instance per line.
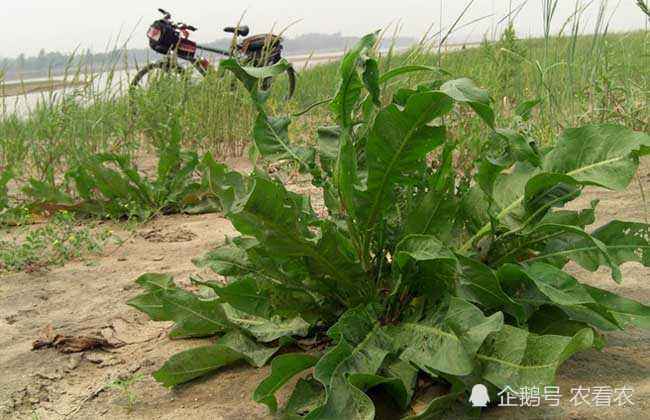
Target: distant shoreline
(17,87)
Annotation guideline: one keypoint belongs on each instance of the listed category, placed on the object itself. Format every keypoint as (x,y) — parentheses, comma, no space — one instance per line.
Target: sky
(63,25)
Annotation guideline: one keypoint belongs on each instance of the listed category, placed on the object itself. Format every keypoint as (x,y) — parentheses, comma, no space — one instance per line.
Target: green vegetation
(416,269)
(124,387)
(579,80)
(56,242)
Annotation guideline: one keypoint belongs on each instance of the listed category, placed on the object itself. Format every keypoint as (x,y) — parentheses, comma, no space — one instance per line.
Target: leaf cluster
(109,185)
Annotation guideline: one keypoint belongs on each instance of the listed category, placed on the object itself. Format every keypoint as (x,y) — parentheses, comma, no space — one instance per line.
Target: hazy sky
(29,25)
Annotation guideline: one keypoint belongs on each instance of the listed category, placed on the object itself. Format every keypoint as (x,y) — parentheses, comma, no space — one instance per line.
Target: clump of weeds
(124,385)
(59,240)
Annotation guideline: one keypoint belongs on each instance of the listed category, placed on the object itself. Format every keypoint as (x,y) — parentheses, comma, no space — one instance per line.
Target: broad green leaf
(251,76)
(325,367)
(435,265)
(544,288)
(468,323)
(344,400)
(353,326)
(194,363)
(307,395)
(269,214)
(228,259)
(328,147)
(245,295)
(155,282)
(346,178)
(626,311)
(579,218)
(559,287)
(350,86)
(271,137)
(517,147)
(508,192)
(573,243)
(625,241)
(430,347)
(449,347)
(434,215)
(435,211)
(551,320)
(605,155)
(193,316)
(398,143)
(464,90)
(371,80)
(221,183)
(515,358)
(283,368)
(407,375)
(266,330)
(545,191)
(151,305)
(479,284)
(525,108)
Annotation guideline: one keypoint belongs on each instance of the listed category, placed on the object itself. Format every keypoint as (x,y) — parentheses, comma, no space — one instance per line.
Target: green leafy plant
(412,271)
(110,185)
(60,240)
(124,386)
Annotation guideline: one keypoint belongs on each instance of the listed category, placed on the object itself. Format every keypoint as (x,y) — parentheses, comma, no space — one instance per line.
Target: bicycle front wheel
(154,72)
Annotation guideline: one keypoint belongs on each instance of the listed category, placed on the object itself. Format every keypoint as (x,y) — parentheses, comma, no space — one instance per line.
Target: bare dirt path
(82,299)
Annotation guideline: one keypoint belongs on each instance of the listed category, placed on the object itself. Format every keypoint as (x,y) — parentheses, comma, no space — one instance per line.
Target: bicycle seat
(242,30)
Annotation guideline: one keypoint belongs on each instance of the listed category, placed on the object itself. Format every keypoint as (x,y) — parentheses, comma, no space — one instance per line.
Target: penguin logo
(479,397)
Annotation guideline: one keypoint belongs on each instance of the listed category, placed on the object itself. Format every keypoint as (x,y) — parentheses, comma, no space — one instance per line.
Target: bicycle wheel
(153,72)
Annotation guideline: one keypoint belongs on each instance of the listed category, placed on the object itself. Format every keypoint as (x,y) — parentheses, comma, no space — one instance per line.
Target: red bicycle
(171,39)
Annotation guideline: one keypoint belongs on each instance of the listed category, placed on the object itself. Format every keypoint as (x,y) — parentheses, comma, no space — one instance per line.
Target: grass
(56,242)
(580,79)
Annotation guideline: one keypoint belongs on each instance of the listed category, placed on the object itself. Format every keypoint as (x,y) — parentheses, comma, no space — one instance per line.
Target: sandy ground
(82,299)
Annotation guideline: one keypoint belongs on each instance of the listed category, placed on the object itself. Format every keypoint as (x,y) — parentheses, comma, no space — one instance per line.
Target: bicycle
(171,39)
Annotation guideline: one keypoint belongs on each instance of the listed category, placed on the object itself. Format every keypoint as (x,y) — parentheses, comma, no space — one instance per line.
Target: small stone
(74,361)
(94,358)
(50,376)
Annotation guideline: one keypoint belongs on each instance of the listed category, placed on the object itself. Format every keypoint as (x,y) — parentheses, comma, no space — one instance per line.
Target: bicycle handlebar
(179,25)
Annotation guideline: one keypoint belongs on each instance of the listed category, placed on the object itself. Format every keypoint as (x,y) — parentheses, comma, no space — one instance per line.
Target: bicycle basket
(162,37)
(186,49)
